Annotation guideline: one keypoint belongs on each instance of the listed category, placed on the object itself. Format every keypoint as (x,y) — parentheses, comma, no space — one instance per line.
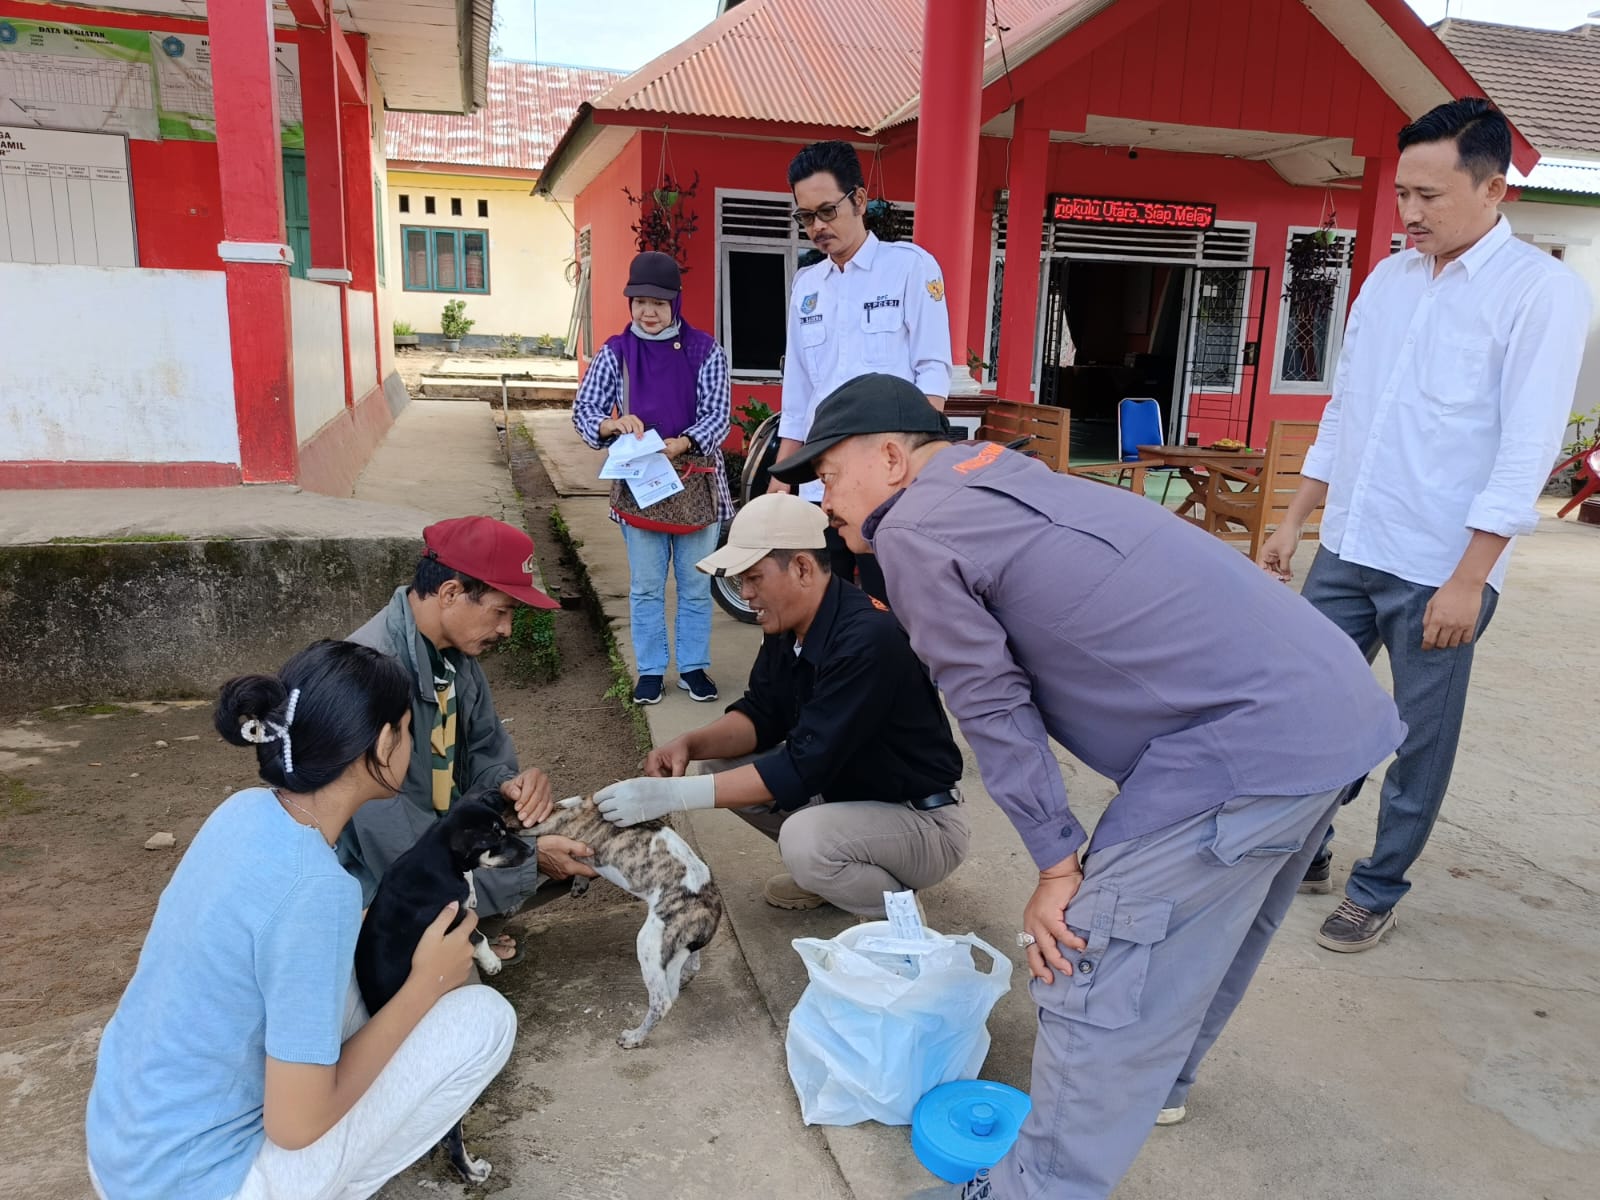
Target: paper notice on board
(76,77)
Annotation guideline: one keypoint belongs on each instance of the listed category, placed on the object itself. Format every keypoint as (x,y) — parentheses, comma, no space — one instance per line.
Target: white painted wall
(115,364)
(363,349)
(1577,228)
(318,355)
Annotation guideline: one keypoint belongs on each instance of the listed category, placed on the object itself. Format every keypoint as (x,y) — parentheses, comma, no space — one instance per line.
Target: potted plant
(454,324)
(746,420)
(404,334)
(510,345)
(542,346)
(558,347)
(1573,453)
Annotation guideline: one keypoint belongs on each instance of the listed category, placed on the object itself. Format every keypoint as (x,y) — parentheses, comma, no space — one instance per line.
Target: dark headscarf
(662,376)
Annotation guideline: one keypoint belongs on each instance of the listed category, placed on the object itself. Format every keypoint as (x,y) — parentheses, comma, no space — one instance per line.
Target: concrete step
(521,393)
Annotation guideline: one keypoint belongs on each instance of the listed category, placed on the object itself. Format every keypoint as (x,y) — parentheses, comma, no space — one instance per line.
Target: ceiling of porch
(429,55)
(1300,160)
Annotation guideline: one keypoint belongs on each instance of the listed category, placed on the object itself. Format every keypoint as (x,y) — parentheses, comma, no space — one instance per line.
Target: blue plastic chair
(1139,424)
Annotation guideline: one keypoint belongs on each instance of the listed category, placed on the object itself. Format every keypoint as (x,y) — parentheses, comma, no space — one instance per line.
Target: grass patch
(17,799)
(563,533)
(535,657)
(621,689)
(129,537)
(74,712)
(522,432)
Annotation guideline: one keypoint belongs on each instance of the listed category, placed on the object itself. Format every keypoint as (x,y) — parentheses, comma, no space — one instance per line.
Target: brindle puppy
(651,862)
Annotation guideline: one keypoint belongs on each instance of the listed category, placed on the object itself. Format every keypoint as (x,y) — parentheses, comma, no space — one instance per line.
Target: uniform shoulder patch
(936,289)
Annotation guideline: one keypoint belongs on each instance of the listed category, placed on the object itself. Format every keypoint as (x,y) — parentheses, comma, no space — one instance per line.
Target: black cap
(865,404)
(655,275)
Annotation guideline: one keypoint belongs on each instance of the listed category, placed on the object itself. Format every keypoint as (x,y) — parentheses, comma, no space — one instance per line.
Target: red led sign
(1149,214)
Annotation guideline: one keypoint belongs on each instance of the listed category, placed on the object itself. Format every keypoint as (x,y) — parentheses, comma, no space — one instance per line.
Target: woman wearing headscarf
(662,374)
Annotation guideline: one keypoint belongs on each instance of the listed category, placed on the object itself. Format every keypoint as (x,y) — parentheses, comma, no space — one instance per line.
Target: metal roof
(835,63)
(1576,175)
(528,107)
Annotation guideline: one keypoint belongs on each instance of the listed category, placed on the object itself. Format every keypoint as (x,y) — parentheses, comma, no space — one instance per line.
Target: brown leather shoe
(783,892)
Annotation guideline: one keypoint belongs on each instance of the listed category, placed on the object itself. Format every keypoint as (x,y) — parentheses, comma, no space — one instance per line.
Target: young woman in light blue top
(240,1062)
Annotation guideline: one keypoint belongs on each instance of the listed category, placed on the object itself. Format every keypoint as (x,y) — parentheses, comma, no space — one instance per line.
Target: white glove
(644,799)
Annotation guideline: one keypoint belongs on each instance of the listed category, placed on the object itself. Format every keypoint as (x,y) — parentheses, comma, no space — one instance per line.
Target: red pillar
(1025,217)
(255,258)
(360,225)
(319,94)
(947,152)
(1375,220)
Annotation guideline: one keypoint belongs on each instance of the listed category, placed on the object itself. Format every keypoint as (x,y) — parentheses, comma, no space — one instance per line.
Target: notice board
(64,198)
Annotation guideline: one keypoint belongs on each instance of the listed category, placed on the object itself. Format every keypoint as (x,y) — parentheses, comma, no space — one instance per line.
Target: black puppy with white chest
(413,892)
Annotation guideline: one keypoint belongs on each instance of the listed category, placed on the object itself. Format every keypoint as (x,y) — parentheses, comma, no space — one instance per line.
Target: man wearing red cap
(473,574)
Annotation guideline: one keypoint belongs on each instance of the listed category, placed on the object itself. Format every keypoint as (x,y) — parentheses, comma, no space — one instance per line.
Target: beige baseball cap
(777,521)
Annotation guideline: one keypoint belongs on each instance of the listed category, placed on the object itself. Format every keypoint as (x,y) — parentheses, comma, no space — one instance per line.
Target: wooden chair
(1248,514)
(1046,427)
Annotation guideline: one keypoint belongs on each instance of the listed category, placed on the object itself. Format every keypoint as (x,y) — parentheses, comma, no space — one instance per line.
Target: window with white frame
(1549,245)
(759,249)
(1311,326)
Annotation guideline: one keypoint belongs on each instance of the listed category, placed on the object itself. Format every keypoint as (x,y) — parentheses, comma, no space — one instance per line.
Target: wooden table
(1190,461)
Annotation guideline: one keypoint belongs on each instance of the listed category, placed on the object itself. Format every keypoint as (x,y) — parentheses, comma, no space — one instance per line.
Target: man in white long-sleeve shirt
(1452,393)
(869,306)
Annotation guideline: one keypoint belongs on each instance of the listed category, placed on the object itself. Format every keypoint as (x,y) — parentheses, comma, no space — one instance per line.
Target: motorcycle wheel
(761,453)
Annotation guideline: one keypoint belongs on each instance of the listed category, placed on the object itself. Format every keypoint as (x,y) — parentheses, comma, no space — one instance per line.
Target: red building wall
(1263,65)
(177,195)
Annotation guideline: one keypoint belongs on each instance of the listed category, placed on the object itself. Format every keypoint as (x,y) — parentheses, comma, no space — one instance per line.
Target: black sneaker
(699,685)
(647,690)
(1319,877)
(1351,928)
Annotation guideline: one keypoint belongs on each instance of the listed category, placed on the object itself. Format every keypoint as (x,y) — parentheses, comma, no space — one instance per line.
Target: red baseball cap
(500,555)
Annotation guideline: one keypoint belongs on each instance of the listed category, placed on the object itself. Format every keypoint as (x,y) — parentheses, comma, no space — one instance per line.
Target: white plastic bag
(873,1033)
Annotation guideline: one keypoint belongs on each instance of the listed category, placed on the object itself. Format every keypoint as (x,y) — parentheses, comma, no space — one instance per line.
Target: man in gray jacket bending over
(473,574)
(1229,712)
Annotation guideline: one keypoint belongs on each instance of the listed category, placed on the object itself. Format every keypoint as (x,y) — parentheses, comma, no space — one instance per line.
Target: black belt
(937,800)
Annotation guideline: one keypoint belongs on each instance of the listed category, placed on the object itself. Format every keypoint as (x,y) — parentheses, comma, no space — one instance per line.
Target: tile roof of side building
(1546,80)
(529,107)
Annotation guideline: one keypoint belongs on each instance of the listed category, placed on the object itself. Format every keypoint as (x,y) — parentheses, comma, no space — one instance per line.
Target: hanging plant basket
(1311,271)
(665,222)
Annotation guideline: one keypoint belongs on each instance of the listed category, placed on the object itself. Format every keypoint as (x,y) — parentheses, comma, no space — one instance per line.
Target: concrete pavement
(1460,1058)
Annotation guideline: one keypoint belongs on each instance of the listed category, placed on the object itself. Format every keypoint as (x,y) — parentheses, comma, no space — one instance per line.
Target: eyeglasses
(806,218)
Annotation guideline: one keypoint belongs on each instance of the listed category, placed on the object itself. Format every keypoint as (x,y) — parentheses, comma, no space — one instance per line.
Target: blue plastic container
(960,1128)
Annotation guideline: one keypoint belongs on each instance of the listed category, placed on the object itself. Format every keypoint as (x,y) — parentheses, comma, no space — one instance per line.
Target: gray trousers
(1376,609)
(851,852)
(1176,923)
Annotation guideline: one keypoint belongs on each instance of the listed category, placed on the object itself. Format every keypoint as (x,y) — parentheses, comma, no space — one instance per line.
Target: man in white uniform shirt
(870,306)
(1452,393)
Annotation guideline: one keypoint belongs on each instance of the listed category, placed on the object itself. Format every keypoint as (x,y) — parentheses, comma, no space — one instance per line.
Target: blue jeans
(648,555)
(1376,609)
